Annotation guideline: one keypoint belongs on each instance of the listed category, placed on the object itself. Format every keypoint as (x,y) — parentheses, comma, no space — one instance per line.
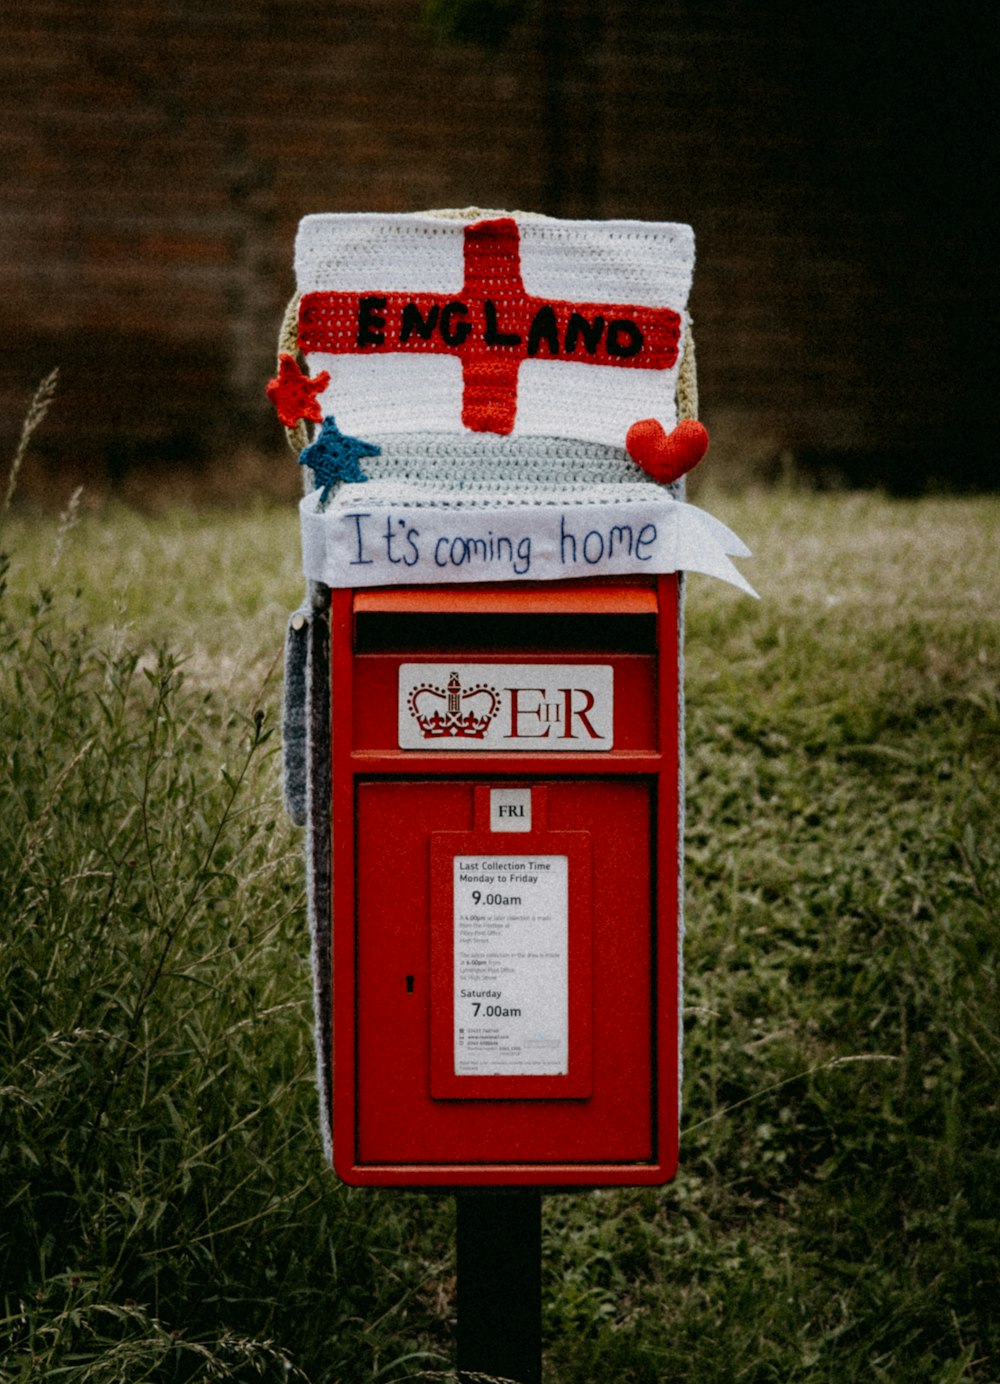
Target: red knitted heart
(667,456)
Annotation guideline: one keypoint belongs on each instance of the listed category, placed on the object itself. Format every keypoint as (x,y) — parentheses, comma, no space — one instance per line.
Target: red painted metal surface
(401,1117)
(611,596)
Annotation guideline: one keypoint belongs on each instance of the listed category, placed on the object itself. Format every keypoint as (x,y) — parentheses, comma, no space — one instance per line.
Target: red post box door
(435,1090)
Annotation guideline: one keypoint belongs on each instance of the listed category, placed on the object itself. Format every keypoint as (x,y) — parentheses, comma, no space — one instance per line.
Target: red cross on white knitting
(491,325)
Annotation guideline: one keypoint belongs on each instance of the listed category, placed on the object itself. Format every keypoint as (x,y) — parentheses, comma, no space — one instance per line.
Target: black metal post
(499,1243)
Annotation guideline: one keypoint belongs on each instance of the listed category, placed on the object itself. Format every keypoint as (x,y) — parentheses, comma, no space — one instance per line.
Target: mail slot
(504,810)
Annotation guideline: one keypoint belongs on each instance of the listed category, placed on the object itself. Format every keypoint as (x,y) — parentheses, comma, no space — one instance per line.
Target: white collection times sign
(511,965)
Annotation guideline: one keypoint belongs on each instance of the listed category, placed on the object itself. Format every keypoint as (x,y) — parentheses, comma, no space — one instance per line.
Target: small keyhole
(409,985)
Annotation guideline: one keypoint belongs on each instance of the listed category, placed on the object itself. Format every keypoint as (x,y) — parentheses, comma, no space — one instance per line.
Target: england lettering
(396,323)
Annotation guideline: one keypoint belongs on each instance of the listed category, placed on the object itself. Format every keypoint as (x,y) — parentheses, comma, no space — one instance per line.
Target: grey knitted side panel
(306,788)
(319,864)
(294,771)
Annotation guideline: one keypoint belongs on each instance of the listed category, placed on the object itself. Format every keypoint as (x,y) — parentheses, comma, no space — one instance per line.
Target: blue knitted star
(334,457)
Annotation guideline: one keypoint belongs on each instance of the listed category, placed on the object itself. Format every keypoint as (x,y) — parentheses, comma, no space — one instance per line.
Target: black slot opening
(405,631)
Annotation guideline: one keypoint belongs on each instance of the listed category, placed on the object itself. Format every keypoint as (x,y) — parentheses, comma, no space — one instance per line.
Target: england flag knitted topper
(494,398)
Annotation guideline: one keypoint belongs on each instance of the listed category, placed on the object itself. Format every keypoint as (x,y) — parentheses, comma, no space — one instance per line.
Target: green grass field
(165,1214)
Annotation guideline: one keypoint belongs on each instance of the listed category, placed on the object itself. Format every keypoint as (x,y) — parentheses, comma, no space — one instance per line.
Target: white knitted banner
(378,534)
(524,328)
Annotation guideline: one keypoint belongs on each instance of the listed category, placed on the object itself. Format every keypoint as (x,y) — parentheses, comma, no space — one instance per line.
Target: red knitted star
(294,394)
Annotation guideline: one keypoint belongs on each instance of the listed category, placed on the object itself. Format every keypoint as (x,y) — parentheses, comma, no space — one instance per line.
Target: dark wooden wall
(156,155)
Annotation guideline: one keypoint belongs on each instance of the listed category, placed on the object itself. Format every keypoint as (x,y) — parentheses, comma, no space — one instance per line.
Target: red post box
(504,805)
(483,709)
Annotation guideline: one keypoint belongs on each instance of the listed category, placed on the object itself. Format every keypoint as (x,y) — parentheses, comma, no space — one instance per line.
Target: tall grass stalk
(37,409)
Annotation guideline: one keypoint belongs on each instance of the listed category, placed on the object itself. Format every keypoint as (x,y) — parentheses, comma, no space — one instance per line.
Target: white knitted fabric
(376,396)
(562,334)
(445,463)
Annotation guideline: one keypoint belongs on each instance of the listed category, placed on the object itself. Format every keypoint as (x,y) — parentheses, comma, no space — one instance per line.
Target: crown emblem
(453,711)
